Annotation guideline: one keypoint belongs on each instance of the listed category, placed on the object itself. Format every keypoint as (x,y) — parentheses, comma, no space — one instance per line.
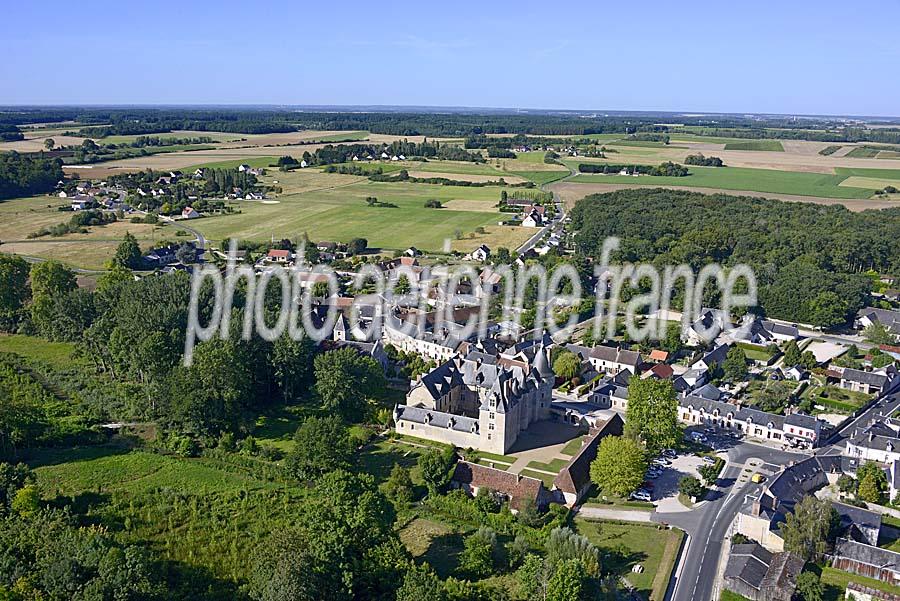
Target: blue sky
(824,57)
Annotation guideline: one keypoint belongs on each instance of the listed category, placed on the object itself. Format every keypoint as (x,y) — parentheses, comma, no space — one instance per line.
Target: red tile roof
(517,488)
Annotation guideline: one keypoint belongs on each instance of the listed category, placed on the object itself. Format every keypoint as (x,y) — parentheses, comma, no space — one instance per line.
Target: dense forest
(24,175)
(810,260)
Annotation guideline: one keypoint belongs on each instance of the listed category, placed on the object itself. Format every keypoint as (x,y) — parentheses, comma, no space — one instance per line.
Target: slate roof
(864,377)
(780,328)
(616,355)
(750,563)
(437,419)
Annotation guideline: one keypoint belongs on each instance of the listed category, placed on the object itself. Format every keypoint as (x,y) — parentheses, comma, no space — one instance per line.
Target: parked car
(669,454)
(661,461)
(709,460)
(641,495)
(698,437)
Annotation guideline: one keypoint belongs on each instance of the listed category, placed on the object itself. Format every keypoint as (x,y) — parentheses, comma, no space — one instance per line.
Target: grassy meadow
(333,207)
(742,178)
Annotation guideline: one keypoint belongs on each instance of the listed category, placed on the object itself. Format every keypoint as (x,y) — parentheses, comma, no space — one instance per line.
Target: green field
(863,152)
(865,172)
(58,354)
(340,213)
(541,177)
(762,145)
(742,178)
(643,144)
(350,136)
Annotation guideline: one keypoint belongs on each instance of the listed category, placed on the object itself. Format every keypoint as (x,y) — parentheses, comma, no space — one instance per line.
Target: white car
(641,495)
(709,460)
(662,462)
(698,437)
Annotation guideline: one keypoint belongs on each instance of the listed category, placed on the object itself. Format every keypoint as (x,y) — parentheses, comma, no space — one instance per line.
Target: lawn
(554,466)
(573,446)
(350,136)
(755,353)
(20,217)
(743,178)
(729,596)
(624,545)
(761,145)
(340,213)
(837,579)
(834,397)
(57,354)
(547,479)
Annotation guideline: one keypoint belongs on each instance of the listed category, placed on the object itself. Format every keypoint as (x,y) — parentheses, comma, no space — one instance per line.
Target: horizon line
(379,108)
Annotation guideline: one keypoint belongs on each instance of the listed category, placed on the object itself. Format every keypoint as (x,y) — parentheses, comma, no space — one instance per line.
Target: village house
(877,442)
(760,518)
(519,491)
(277,255)
(759,575)
(481,254)
(867,382)
(869,316)
(189,213)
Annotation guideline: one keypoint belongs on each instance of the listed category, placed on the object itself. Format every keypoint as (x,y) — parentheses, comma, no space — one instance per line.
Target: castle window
(490,426)
(492,416)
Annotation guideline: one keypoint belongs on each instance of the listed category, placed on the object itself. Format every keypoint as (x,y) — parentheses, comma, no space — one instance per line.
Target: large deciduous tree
(345,379)
(810,527)
(321,444)
(652,413)
(620,465)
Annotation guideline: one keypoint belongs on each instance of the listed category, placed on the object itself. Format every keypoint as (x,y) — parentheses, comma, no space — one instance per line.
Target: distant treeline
(668,169)
(142,121)
(404,176)
(24,175)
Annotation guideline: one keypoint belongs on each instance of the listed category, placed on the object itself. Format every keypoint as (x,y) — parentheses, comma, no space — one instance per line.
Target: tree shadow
(51,456)
(443,554)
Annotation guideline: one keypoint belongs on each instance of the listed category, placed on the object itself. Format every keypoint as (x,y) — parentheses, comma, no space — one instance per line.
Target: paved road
(556,225)
(708,525)
(601,513)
